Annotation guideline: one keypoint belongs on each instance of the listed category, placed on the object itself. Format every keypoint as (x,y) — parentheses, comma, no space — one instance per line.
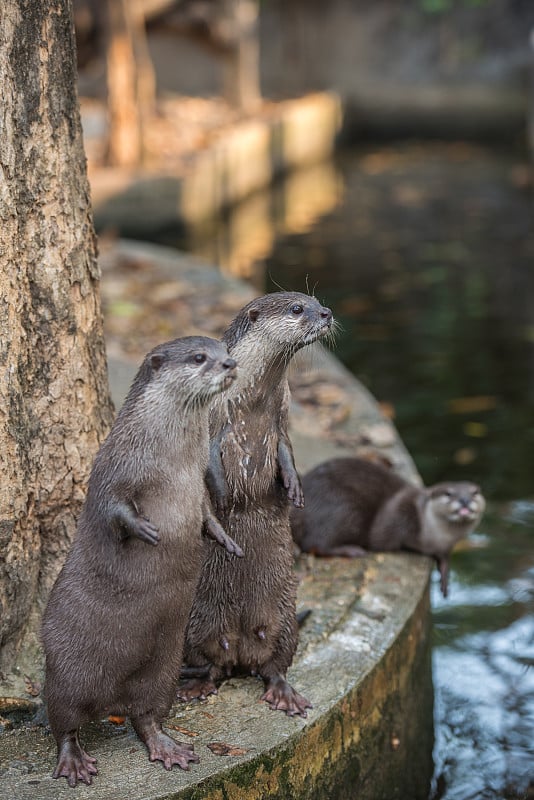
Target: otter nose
(229,363)
(326,314)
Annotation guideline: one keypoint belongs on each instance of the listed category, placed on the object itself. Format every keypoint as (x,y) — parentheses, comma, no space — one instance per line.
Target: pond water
(428,263)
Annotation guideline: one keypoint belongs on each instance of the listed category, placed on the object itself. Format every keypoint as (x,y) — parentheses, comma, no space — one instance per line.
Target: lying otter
(354,505)
(243,615)
(114,625)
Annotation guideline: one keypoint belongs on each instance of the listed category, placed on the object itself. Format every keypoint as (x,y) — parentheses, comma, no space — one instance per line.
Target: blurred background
(412,218)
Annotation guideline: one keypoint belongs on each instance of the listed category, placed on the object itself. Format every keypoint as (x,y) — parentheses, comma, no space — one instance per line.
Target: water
(429,266)
(428,263)
(483,665)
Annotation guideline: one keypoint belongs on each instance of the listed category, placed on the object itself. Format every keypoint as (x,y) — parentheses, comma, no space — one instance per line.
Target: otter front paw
(294,490)
(231,547)
(216,532)
(221,503)
(129,522)
(145,531)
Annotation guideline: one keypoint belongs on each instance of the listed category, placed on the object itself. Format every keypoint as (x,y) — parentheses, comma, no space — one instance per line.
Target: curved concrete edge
(241,161)
(363,661)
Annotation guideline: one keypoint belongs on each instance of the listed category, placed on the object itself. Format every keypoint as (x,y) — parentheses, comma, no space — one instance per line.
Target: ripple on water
(484,709)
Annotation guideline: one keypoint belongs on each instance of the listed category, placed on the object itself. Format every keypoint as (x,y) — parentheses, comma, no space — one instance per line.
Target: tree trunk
(241,76)
(130,80)
(54,398)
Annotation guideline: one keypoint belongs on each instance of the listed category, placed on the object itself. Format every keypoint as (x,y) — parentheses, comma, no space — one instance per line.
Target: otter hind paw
(281,696)
(164,748)
(196,689)
(75,765)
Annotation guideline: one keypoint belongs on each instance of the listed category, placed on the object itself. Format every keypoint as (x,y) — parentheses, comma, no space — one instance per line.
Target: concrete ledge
(241,161)
(363,658)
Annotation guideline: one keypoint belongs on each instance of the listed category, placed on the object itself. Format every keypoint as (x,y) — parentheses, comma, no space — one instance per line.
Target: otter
(114,624)
(243,619)
(354,505)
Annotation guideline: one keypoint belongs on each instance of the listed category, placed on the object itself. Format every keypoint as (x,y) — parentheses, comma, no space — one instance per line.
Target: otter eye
(448,492)
(199,358)
(297,309)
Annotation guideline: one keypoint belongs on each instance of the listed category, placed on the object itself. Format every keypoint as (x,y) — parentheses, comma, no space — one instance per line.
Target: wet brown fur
(243,616)
(114,626)
(354,505)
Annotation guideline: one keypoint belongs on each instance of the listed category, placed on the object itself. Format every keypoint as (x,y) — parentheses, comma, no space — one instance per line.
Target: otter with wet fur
(243,615)
(354,505)
(114,625)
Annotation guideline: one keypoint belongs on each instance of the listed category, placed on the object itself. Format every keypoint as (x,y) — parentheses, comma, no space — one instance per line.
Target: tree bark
(54,400)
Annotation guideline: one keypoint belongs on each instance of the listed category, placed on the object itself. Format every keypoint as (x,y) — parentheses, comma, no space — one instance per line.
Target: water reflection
(241,240)
(428,264)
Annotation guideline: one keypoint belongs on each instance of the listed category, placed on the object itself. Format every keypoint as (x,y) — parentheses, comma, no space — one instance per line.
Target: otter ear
(253,314)
(157,360)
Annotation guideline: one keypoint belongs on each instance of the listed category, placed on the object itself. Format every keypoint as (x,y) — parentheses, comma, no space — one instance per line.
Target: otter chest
(249,450)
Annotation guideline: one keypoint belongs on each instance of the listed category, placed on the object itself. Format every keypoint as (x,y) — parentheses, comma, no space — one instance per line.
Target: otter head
(189,368)
(281,323)
(460,503)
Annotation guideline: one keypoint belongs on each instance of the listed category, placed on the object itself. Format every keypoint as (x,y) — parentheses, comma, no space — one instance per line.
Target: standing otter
(114,625)
(354,505)
(244,618)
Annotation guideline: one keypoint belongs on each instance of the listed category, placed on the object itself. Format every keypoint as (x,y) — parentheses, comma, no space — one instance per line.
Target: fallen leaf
(223,749)
(32,687)
(10,704)
(178,728)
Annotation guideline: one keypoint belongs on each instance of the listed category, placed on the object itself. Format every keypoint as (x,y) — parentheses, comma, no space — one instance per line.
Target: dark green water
(428,263)
(429,267)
